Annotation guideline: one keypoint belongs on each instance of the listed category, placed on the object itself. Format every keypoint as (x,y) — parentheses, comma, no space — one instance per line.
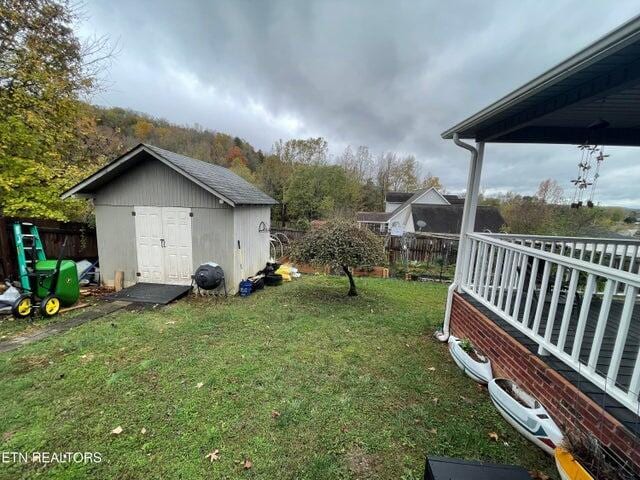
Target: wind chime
(591,158)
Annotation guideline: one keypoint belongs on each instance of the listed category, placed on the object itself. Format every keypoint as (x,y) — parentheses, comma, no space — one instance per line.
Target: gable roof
(417,194)
(448,218)
(217,180)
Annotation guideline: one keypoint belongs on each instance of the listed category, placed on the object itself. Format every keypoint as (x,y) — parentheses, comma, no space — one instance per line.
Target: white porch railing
(623,254)
(574,297)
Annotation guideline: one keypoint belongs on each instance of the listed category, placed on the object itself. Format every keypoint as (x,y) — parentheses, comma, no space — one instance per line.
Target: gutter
(443,335)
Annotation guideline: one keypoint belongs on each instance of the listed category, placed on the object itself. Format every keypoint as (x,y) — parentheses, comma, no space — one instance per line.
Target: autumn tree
(431,181)
(310,151)
(44,70)
(342,245)
(319,191)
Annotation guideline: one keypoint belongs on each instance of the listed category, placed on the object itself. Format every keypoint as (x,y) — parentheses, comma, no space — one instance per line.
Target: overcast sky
(388,74)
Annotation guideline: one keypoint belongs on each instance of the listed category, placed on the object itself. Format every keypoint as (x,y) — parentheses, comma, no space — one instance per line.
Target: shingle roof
(373,216)
(448,218)
(454,199)
(218,180)
(398,197)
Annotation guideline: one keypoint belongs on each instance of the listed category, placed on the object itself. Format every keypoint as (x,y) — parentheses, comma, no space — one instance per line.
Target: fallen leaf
(433,430)
(199,385)
(213,456)
(465,399)
(143,431)
(247,464)
(538,475)
(435,400)
(275,414)
(117,431)
(7,435)
(170,322)
(432,369)
(494,436)
(344,429)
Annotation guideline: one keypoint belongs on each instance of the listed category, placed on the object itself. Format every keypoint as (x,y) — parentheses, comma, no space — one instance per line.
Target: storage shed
(159,215)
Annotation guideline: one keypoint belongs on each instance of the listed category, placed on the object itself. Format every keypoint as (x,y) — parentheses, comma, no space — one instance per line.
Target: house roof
(448,218)
(454,199)
(417,194)
(217,180)
(398,197)
(591,97)
(376,217)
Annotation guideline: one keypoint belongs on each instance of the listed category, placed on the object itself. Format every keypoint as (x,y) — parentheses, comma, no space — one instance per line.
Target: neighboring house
(160,215)
(408,212)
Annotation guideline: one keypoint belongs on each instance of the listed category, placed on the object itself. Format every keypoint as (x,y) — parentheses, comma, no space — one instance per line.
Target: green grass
(361,387)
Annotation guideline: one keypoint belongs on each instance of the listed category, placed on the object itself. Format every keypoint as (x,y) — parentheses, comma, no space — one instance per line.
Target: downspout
(443,335)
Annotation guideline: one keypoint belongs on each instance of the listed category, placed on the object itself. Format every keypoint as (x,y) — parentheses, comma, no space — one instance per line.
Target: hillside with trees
(51,138)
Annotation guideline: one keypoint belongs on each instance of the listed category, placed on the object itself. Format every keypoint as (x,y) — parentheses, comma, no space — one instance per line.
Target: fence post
(6,253)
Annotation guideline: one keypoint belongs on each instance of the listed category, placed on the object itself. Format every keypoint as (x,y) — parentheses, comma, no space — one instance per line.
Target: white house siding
(254,251)
(391,206)
(431,197)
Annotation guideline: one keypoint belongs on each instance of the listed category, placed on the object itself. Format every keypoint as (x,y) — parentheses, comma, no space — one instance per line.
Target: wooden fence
(418,247)
(437,251)
(81,242)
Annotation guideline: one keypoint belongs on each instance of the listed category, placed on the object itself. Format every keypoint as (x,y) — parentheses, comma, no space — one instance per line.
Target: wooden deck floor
(631,420)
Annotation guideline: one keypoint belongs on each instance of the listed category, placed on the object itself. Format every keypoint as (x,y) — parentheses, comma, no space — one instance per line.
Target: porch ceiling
(592,97)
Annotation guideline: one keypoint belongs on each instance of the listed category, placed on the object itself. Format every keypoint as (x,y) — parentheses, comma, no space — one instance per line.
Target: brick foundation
(568,406)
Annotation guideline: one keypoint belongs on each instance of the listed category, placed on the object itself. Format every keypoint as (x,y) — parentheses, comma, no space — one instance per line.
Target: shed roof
(448,218)
(591,97)
(217,180)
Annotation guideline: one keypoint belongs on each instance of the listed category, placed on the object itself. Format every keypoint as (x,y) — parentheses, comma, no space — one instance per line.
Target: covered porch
(571,303)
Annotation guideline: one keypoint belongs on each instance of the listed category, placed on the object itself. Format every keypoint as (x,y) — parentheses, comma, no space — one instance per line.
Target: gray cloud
(390,75)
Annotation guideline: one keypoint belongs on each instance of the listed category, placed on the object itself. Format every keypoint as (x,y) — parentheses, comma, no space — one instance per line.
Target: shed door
(176,224)
(163,241)
(148,222)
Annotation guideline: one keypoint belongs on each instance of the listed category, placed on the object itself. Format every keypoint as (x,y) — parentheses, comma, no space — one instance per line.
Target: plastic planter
(478,368)
(525,414)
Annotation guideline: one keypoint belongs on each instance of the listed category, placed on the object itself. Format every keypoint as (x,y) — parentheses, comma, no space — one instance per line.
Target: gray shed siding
(255,244)
(116,234)
(153,184)
(212,232)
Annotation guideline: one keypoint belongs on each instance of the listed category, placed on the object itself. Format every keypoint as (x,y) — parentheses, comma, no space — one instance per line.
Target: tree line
(51,137)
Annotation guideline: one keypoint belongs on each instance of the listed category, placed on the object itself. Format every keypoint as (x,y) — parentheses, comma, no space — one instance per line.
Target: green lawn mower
(47,285)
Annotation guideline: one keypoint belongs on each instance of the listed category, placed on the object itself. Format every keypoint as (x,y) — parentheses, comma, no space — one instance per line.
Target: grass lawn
(300,379)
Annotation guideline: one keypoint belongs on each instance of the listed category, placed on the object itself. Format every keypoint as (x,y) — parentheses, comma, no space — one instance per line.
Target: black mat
(151,293)
(444,468)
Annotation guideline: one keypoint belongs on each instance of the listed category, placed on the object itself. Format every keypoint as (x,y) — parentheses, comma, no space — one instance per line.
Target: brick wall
(568,406)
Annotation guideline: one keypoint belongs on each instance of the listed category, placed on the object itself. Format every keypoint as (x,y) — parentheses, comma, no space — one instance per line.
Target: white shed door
(163,242)
(177,251)
(148,222)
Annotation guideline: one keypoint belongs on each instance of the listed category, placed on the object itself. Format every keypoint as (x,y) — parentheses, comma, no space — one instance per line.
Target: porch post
(469,215)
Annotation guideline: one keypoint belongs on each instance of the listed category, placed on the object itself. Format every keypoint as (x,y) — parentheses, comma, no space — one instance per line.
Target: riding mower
(46,284)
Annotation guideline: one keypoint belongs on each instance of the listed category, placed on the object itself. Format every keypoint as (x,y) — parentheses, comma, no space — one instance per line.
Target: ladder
(29,250)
